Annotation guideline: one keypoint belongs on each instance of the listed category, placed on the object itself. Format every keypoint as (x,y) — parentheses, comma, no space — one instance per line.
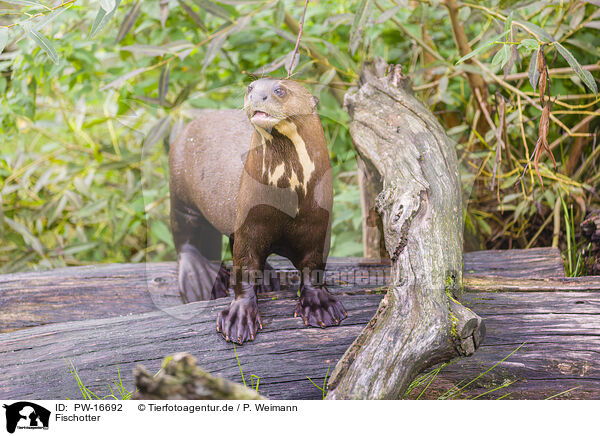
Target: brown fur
(283,199)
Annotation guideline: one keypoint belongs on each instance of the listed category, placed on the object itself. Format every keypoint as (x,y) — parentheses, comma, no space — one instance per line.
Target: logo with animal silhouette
(26,415)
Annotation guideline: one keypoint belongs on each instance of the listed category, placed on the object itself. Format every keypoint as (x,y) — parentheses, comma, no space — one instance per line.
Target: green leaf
(592,24)
(464,13)
(342,58)
(361,16)
(502,56)
(533,73)
(48,18)
(214,9)
(213,48)
(174,47)
(157,132)
(585,76)
(585,46)
(508,23)
(484,45)
(163,6)
(535,29)
(124,78)
(27,236)
(42,42)
(90,209)
(78,248)
(197,19)
(129,21)
(216,44)
(25,2)
(529,44)
(163,83)
(108,5)
(161,232)
(389,13)
(279,13)
(184,94)
(3,39)
(102,18)
(269,68)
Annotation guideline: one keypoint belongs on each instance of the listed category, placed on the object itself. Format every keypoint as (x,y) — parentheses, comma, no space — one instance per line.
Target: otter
(261,177)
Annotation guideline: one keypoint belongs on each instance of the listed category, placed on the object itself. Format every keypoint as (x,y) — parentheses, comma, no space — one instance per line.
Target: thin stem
(39,14)
(291,65)
(412,37)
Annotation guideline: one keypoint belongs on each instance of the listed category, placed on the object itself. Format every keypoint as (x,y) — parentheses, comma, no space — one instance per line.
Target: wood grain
(103,291)
(34,361)
(556,336)
(558,323)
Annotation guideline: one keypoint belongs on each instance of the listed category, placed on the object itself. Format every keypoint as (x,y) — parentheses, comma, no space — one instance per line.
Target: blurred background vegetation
(94,92)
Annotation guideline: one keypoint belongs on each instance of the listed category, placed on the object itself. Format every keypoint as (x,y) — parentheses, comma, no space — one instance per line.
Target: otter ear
(315,100)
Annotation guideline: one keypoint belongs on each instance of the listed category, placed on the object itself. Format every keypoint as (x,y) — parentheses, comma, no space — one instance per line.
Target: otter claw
(319,308)
(240,321)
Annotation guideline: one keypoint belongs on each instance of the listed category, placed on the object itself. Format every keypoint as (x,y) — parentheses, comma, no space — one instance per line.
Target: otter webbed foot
(200,279)
(241,320)
(318,308)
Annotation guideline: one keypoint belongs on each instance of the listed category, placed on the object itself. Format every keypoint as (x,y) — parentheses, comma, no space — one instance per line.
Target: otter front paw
(241,321)
(318,308)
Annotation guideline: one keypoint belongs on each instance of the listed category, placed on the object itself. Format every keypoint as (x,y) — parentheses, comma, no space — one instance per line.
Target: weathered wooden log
(419,322)
(504,284)
(560,329)
(542,262)
(102,291)
(540,344)
(182,379)
(34,362)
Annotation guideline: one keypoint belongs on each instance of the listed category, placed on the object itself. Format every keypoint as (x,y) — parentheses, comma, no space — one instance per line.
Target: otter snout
(263,103)
(270,101)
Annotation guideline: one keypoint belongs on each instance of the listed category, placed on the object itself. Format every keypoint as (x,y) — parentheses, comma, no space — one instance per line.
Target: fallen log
(181,379)
(560,331)
(34,362)
(413,167)
(102,291)
(544,344)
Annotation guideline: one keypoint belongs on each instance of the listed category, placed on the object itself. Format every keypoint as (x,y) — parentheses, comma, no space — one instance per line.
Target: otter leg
(200,274)
(241,320)
(271,281)
(316,305)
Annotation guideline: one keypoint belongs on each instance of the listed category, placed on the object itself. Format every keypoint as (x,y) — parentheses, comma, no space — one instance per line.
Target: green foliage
(93,93)
(121,392)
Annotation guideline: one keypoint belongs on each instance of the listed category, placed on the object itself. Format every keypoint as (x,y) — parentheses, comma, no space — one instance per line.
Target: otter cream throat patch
(289,130)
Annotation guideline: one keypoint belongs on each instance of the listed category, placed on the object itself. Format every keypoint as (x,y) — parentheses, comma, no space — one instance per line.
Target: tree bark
(370,186)
(182,379)
(419,322)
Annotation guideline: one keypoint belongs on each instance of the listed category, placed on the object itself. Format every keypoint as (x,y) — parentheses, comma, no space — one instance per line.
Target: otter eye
(279,92)
(250,88)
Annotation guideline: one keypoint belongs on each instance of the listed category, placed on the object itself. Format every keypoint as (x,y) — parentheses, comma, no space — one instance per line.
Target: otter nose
(259,97)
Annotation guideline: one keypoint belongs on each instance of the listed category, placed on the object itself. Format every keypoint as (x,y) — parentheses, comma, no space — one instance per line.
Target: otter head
(270,101)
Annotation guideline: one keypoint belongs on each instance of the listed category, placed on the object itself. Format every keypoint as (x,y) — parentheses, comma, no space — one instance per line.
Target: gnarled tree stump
(412,165)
